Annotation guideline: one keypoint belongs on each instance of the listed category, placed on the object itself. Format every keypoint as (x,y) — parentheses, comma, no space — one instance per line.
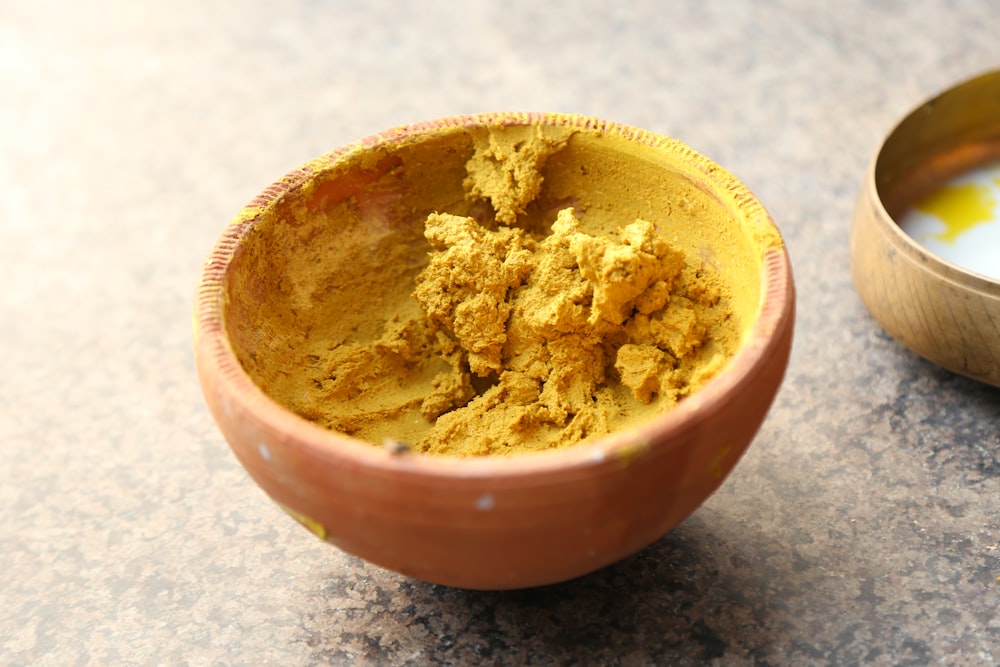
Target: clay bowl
(937,308)
(482,522)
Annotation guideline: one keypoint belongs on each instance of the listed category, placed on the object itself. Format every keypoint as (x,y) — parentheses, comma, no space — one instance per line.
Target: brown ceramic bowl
(937,308)
(487,523)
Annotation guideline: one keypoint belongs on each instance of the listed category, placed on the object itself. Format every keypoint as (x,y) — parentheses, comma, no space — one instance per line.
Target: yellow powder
(506,167)
(518,334)
(557,326)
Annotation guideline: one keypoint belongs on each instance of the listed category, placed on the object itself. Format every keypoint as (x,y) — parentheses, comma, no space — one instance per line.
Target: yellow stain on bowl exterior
(630,452)
(960,207)
(715,469)
(314,526)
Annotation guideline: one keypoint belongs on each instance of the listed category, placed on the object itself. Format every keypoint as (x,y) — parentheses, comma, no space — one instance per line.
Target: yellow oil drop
(959,207)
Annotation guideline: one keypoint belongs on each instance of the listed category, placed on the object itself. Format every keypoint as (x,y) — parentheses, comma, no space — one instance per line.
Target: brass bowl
(944,312)
(488,523)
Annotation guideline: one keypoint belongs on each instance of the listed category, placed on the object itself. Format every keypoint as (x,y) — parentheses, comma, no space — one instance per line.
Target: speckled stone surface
(862,527)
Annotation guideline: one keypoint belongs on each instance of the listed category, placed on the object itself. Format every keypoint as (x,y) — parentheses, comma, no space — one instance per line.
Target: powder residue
(528,340)
(506,168)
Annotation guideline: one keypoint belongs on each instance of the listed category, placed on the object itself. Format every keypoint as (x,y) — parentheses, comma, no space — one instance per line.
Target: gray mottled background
(862,526)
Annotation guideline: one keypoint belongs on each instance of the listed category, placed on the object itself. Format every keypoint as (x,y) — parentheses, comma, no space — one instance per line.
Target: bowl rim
(955,273)
(238,393)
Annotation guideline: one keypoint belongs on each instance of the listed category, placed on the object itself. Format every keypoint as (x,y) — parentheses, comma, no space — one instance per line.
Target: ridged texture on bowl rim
(216,356)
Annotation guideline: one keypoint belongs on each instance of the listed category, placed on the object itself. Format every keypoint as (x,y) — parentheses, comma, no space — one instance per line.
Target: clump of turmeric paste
(506,170)
(526,341)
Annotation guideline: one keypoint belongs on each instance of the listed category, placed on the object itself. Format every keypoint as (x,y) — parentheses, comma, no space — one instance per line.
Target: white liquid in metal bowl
(960,221)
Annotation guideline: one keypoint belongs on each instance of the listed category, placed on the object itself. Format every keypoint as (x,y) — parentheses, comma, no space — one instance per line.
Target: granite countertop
(863,525)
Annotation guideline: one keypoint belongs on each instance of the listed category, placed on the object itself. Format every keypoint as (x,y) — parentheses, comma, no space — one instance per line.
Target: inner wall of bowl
(953,133)
(356,228)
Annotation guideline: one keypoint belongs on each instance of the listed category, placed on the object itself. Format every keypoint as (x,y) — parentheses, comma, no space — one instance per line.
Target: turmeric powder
(527,334)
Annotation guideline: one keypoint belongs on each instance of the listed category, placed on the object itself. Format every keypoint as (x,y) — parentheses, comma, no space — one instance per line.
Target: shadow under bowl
(486,522)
